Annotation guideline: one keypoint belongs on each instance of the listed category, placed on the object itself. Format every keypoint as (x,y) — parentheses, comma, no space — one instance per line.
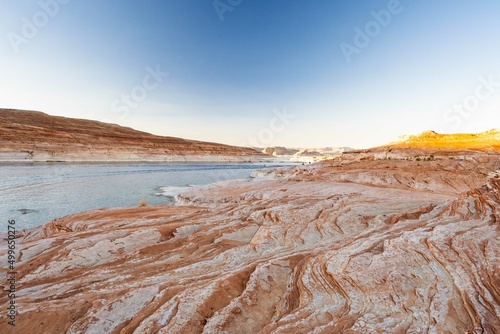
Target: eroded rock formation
(347,246)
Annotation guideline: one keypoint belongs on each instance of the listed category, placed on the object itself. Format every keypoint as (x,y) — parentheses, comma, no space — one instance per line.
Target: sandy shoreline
(6,158)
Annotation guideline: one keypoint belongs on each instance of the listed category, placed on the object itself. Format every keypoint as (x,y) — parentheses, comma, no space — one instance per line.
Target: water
(35,194)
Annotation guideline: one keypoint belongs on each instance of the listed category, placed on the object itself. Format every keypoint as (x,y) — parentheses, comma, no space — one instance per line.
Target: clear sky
(297,73)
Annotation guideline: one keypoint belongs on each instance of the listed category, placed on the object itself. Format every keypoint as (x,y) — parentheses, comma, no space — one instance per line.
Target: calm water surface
(35,194)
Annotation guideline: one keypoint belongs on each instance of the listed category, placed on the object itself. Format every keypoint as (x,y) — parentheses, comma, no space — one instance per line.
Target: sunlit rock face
(346,246)
(488,140)
(35,136)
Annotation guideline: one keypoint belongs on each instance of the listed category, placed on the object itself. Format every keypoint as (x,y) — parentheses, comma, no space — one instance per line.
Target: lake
(37,193)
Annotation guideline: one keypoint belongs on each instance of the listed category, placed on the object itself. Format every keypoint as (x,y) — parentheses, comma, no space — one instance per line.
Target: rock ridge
(36,136)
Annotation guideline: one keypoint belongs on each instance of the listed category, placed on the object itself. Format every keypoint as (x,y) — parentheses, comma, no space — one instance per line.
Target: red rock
(345,246)
(35,136)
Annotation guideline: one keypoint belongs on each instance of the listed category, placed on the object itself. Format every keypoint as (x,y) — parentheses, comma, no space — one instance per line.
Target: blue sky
(257,72)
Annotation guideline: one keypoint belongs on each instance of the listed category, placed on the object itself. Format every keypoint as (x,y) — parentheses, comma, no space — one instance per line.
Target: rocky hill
(430,145)
(489,140)
(36,136)
(280,151)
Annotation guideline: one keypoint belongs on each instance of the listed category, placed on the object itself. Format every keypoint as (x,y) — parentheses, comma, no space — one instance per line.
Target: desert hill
(430,145)
(36,136)
(489,140)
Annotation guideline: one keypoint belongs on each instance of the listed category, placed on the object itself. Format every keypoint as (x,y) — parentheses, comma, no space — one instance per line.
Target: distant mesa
(309,153)
(488,140)
(430,146)
(306,154)
(32,136)
(279,151)
(35,136)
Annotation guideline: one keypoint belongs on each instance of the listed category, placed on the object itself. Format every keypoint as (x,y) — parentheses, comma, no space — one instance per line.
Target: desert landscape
(401,238)
(33,136)
(250,167)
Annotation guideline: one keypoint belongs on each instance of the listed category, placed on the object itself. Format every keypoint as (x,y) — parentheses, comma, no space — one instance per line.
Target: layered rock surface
(35,136)
(346,246)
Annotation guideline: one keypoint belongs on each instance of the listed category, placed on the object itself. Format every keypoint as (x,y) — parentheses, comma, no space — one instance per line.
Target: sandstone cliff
(346,246)
(35,136)
(489,140)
